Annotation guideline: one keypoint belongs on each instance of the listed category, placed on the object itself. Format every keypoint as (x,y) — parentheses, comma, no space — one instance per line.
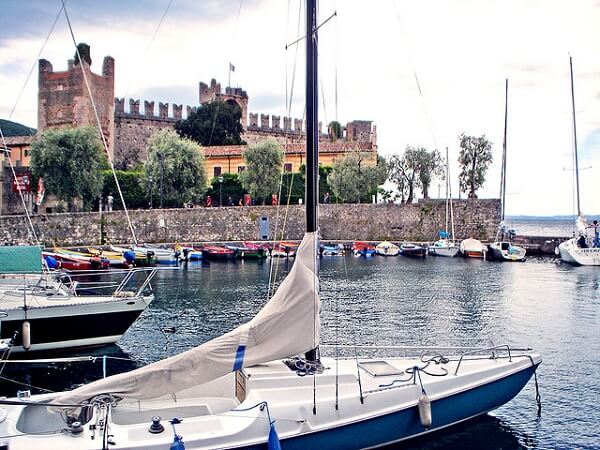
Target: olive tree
(174,169)
(474,159)
(70,160)
(263,169)
(353,179)
(415,169)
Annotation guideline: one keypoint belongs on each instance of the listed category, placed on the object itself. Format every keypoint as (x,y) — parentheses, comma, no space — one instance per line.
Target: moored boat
(46,310)
(218,253)
(414,250)
(386,248)
(363,249)
(472,248)
(235,391)
(332,250)
(443,247)
(244,251)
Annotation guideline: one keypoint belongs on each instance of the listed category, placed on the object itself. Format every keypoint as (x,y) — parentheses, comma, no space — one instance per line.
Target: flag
(231,67)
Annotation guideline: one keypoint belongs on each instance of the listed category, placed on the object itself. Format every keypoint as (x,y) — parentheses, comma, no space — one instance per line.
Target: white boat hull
(571,253)
(225,413)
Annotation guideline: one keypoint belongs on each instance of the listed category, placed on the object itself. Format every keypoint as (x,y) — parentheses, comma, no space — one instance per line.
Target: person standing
(596,227)
(109,202)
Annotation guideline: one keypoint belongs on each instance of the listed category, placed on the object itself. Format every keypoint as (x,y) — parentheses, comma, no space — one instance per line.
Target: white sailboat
(578,250)
(503,249)
(445,245)
(250,388)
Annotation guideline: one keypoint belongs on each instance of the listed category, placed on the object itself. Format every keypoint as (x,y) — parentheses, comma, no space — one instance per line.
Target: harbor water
(551,307)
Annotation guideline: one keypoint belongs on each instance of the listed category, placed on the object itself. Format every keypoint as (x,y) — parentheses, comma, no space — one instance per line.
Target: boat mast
(450,193)
(312,136)
(312,105)
(503,175)
(575,138)
(447,199)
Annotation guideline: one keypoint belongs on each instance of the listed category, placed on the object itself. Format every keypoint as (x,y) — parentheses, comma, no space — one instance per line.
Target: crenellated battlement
(166,112)
(272,124)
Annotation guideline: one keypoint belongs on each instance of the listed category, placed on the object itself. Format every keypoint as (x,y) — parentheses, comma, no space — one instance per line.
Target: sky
(423,71)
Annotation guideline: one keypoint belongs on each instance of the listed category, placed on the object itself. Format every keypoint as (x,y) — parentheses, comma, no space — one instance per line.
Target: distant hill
(15,129)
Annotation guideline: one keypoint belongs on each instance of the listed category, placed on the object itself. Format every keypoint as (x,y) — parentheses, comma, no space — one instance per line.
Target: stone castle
(63,100)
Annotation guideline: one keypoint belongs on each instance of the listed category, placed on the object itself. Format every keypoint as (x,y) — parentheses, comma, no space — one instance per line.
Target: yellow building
(230,159)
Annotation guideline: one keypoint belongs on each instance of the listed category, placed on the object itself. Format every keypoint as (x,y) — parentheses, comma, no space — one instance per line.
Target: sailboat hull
(405,424)
(571,253)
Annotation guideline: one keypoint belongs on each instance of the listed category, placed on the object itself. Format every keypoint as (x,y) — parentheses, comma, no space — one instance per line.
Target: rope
(538,397)
(109,157)
(31,230)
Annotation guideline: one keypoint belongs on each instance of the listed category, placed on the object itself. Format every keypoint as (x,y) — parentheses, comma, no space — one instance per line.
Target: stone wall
(416,222)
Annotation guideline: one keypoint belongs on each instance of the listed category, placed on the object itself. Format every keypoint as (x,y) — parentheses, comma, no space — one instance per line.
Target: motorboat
(414,250)
(472,248)
(363,249)
(386,248)
(216,252)
(44,310)
(332,250)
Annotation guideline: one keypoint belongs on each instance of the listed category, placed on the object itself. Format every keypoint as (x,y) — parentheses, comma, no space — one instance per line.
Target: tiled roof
(17,140)
(292,149)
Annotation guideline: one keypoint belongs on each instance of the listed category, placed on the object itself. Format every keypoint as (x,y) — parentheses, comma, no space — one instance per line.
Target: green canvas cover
(20,259)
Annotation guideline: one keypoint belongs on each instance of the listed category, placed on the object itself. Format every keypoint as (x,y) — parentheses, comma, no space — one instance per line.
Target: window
(217,171)
(287,167)
(241,169)
(26,153)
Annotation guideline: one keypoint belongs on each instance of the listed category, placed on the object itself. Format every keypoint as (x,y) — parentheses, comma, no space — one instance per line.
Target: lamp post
(160,161)
(221,191)
(151,183)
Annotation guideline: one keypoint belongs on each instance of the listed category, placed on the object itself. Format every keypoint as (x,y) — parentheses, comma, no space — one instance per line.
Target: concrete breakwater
(415,222)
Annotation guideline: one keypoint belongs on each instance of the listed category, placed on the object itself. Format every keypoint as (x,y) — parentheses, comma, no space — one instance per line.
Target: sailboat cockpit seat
(133,413)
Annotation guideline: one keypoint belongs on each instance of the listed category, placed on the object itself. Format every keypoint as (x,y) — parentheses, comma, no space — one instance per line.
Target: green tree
(353,180)
(174,170)
(133,185)
(214,123)
(335,130)
(474,159)
(70,161)
(263,169)
(414,169)
(430,165)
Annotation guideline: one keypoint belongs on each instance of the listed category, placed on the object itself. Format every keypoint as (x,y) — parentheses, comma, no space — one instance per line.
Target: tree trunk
(472,193)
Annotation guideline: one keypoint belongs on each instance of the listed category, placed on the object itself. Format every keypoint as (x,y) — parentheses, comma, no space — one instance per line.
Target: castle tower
(232,95)
(63,98)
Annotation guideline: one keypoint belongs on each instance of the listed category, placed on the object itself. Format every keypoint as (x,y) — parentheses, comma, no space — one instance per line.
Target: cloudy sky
(461,51)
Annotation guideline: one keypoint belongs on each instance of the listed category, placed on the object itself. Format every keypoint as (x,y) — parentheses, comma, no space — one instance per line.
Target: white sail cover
(287,325)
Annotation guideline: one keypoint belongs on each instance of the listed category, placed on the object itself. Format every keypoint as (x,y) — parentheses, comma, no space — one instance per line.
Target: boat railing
(456,353)
(116,283)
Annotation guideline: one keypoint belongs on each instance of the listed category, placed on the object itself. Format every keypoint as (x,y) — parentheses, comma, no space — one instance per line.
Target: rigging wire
(414,70)
(94,107)
(147,49)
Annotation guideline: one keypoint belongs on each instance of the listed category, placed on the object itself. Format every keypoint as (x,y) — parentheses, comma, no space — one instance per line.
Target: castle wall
(413,222)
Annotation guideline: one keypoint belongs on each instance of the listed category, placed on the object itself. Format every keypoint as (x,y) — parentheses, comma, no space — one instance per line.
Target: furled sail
(287,325)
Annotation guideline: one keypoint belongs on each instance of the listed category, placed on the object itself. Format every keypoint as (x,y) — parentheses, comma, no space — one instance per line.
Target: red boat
(217,252)
(72,263)
(363,249)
